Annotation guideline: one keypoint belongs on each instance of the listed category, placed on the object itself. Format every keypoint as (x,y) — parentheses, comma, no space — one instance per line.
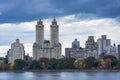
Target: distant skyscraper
(91,47)
(76,51)
(119,51)
(75,44)
(47,48)
(112,50)
(16,52)
(54,33)
(40,33)
(105,47)
(103,43)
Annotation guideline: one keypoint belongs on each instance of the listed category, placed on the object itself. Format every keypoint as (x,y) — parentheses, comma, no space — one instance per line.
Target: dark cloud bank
(29,10)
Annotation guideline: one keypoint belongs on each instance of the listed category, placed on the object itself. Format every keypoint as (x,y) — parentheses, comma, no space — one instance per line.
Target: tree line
(106,62)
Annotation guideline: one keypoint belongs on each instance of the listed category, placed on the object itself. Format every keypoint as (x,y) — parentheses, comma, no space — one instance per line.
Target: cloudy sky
(76,19)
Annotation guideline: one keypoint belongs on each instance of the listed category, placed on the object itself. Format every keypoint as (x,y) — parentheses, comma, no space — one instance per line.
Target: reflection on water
(59,75)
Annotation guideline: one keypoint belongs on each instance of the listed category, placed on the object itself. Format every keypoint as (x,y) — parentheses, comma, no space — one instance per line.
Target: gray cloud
(29,10)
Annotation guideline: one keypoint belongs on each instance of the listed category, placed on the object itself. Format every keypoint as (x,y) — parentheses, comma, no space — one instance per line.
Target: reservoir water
(59,75)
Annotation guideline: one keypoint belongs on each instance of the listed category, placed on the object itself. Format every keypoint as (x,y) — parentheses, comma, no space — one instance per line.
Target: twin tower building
(47,48)
(41,48)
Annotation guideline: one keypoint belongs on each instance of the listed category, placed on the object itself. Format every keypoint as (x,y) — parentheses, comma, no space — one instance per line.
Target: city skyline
(95,20)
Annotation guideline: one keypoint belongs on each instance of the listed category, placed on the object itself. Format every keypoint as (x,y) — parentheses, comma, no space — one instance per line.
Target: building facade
(112,50)
(96,49)
(91,47)
(103,44)
(47,48)
(119,51)
(76,51)
(16,51)
(105,47)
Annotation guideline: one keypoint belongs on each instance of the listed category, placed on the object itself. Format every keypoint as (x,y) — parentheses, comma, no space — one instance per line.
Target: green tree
(69,63)
(91,62)
(118,64)
(19,64)
(34,64)
(61,63)
(65,63)
(52,63)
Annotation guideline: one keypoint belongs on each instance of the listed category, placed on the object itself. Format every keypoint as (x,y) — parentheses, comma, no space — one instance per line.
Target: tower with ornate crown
(47,48)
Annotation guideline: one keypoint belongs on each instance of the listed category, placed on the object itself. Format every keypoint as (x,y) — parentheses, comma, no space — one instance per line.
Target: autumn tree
(43,62)
(79,63)
(108,61)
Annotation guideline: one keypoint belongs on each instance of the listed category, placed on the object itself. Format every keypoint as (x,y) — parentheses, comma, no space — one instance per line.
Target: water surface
(59,75)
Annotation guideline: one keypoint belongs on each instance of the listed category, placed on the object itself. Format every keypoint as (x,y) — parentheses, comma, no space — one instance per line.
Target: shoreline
(65,70)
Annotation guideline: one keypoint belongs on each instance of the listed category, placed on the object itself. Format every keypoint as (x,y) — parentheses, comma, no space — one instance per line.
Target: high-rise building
(76,51)
(112,50)
(103,43)
(119,51)
(91,47)
(54,33)
(47,48)
(75,44)
(105,47)
(16,52)
(40,33)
